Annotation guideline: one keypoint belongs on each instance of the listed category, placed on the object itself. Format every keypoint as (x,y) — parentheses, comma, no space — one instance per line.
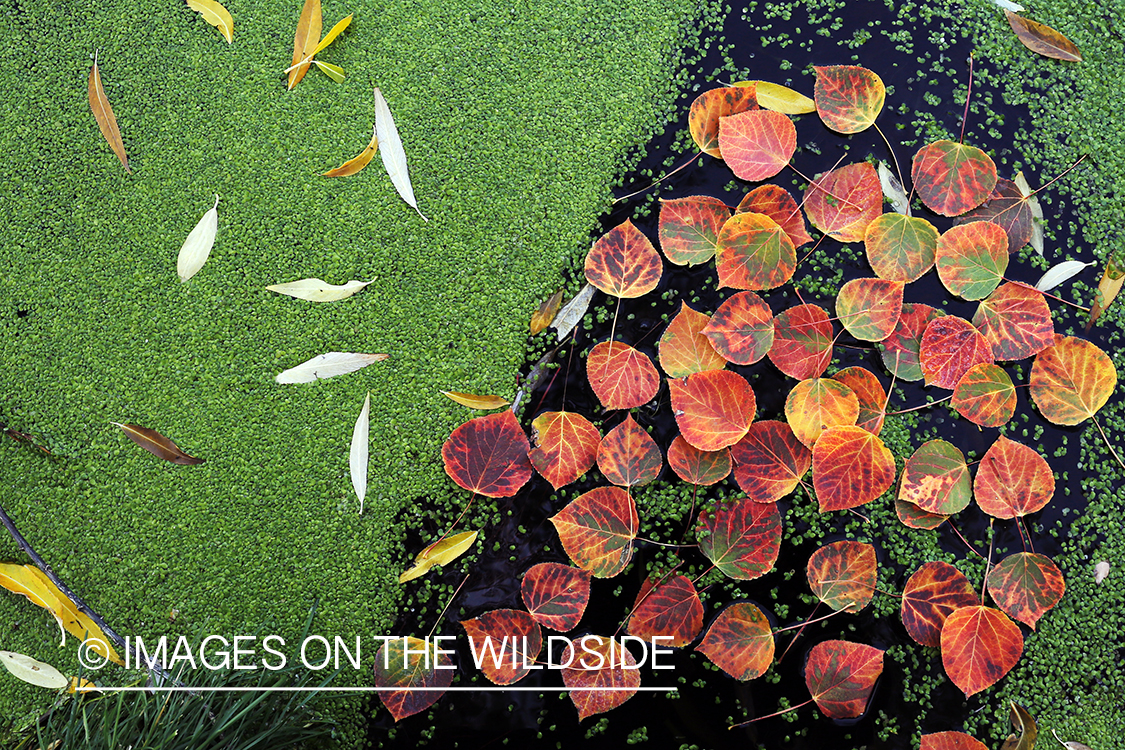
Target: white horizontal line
(497,689)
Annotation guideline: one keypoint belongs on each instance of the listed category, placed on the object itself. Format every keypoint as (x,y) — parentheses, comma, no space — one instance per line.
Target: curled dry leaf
(394,157)
(33,671)
(358,453)
(1108,288)
(573,311)
(216,15)
(103,113)
(327,366)
(1101,571)
(356,163)
(318,290)
(474,401)
(197,246)
(546,313)
(893,190)
(441,552)
(1023,723)
(158,445)
(1042,39)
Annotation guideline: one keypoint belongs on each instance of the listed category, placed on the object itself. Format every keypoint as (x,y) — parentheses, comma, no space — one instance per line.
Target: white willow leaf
(390,149)
(198,244)
(358,455)
(33,671)
(318,290)
(572,312)
(327,366)
(1009,5)
(1059,273)
(893,191)
(1036,213)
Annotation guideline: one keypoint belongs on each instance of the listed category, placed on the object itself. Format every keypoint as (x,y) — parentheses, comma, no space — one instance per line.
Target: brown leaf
(357,163)
(158,445)
(305,40)
(103,113)
(1042,39)
(546,313)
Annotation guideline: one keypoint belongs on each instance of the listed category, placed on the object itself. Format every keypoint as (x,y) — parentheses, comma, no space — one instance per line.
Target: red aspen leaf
(671,610)
(1025,585)
(741,330)
(1071,380)
(566,446)
(754,253)
(870,394)
(739,642)
(556,595)
(709,107)
(841,676)
(818,403)
(684,349)
(623,263)
(802,342)
(985,396)
(900,349)
(1016,321)
(597,664)
(979,645)
(1007,207)
(842,575)
(951,741)
(972,258)
(775,202)
(936,479)
(914,517)
(740,537)
(843,202)
(689,228)
(1042,39)
(1013,480)
(546,313)
(696,466)
(757,144)
(770,461)
(950,348)
(713,409)
(934,591)
(900,248)
(848,98)
(504,640)
(488,455)
(409,663)
(621,376)
(952,178)
(597,530)
(869,309)
(850,467)
(628,456)
(103,115)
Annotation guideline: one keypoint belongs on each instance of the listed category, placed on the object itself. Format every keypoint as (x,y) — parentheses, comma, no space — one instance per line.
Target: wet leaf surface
(770,461)
(740,642)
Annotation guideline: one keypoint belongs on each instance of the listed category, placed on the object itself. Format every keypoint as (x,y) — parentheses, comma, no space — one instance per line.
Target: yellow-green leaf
(318,290)
(216,15)
(33,671)
(355,164)
(474,401)
(780,98)
(331,36)
(441,552)
(335,72)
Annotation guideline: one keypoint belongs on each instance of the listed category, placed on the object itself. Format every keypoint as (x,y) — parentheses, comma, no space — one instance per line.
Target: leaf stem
(814,183)
(1061,175)
(921,406)
(770,716)
(898,169)
(664,544)
(966,541)
(657,182)
(641,601)
(446,607)
(968,95)
(1107,443)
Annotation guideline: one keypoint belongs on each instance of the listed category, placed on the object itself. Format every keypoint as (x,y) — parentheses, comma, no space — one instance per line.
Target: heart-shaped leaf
(757,144)
(1013,480)
(754,253)
(621,376)
(951,741)
(900,248)
(1025,585)
(670,610)
(488,455)
(952,178)
(850,467)
(407,664)
(914,517)
(1071,380)
(556,595)
(900,349)
(740,537)
(848,98)
(950,347)
(842,575)
(802,342)
(770,461)
(869,309)
(1007,207)
(628,456)
(685,349)
(602,674)
(985,396)
(709,107)
(623,263)
(1016,321)
(597,530)
(979,645)
(504,640)
(741,330)
(870,394)
(933,592)
(775,202)
(566,446)
(972,258)
(713,409)
(740,642)
(843,202)
(696,466)
(936,479)
(818,403)
(841,676)
(689,228)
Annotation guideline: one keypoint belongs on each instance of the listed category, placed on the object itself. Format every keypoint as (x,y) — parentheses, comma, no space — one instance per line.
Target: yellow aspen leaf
(546,313)
(357,163)
(441,552)
(474,401)
(103,113)
(780,98)
(216,15)
(305,40)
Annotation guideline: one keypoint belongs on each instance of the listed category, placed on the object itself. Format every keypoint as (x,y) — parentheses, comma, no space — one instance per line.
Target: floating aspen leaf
(869,309)
(506,643)
(621,376)
(671,610)
(952,178)
(1016,321)
(36,672)
(328,366)
(623,263)
(1013,480)
(684,349)
(757,144)
(597,530)
(392,152)
(770,461)
(741,330)
(934,591)
(754,253)
(318,290)
(603,663)
(1042,39)
(780,98)
(817,404)
(979,645)
(572,312)
(842,575)
(696,466)
(710,107)
(985,395)
(441,552)
(197,246)
(305,40)
(546,313)
(1108,288)
(900,248)
(1071,380)
(473,401)
(893,191)
(936,479)
(841,676)
(870,394)
(103,114)
(900,349)
(844,201)
(628,456)
(556,595)
(951,741)
(566,446)
(850,467)
(848,98)
(216,15)
(1060,273)
(1008,208)
(689,228)
(972,258)
(739,642)
(355,164)
(802,341)
(407,664)
(358,452)
(158,445)
(713,409)
(1025,585)
(914,517)
(740,537)
(775,202)
(488,455)
(950,347)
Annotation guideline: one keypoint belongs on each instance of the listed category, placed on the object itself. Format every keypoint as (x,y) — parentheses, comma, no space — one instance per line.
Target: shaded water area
(924,66)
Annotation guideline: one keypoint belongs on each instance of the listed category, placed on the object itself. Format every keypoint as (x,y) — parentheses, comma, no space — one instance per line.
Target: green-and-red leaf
(757,144)
(709,107)
(914,517)
(1013,480)
(842,575)
(770,461)
(985,396)
(597,664)
(671,610)
(713,409)
(597,530)
(936,479)
(1016,321)
(775,202)
(507,639)
(1025,585)
(817,404)
(972,258)
(696,466)
(869,309)
(900,248)
(952,178)
(556,595)
(802,342)
(623,263)
(740,537)
(870,394)
(850,467)
(628,456)
(754,253)
(900,349)
(407,663)
(950,347)
(979,645)
(1007,207)
(1071,380)
(843,202)
(848,98)
(689,228)
(566,446)
(739,642)
(934,591)
(841,676)
(621,376)
(488,455)
(685,349)
(741,330)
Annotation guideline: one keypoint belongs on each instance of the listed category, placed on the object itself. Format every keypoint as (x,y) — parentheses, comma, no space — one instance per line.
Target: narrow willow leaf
(1108,287)
(327,366)
(394,158)
(305,40)
(331,35)
(216,15)
(33,671)
(357,456)
(572,312)
(317,290)
(103,113)
(546,313)
(1059,273)
(198,244)
(357,163)
(441,552)
(1036,212)
(780,98)
(474,401)
(893,191)
(41,590)
(1042,39)
(158,445)
(335,72)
